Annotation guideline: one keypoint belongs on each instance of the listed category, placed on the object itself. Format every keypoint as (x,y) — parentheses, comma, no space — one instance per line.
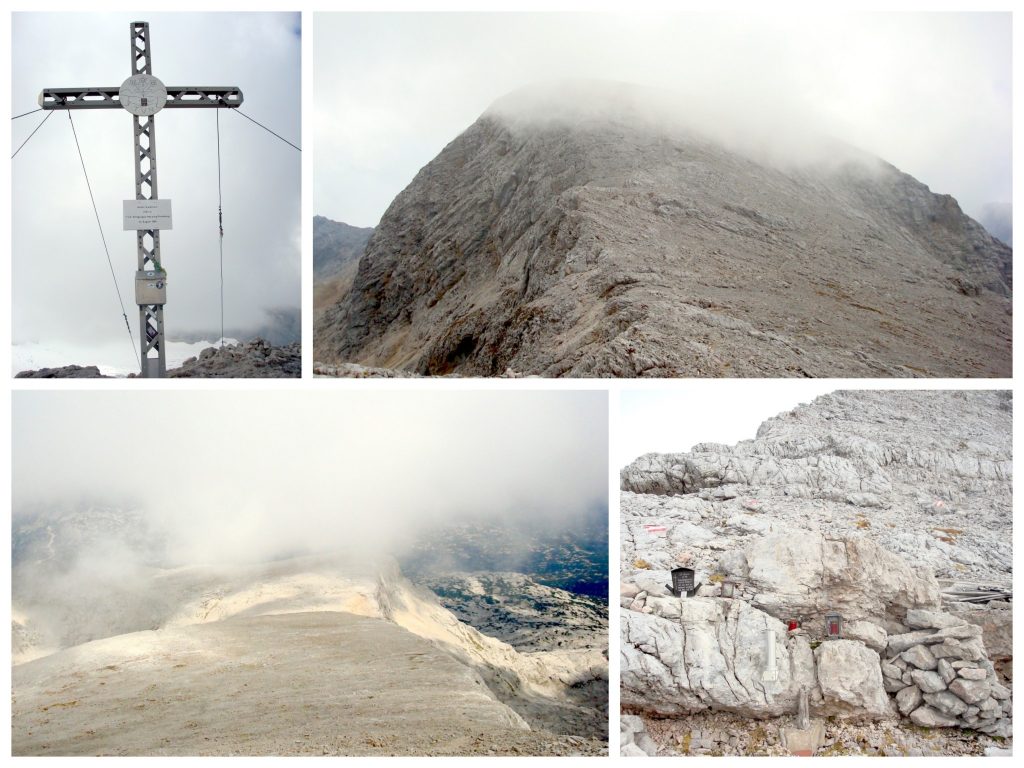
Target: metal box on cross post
(151,287)
(146,216)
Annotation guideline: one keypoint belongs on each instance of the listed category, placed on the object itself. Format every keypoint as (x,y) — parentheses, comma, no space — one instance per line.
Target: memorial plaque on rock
(683,582)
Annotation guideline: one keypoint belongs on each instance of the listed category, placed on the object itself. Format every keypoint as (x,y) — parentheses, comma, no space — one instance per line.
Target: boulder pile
(942,677)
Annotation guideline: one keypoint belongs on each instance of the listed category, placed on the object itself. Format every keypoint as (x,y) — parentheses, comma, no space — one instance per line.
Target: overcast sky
(63,291)
(249,475)
(930,93)
(674,420)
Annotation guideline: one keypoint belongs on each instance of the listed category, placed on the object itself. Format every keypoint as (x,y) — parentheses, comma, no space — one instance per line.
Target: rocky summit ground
(63,372)
(587,232)
(256,359)
(334,654)
(877,506)
(296,676)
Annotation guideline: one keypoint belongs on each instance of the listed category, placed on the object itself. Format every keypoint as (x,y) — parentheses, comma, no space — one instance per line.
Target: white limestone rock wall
(707,653)
(925,475)
(850,681)
(810,575)
(855,503)
(682,656)
(634,741)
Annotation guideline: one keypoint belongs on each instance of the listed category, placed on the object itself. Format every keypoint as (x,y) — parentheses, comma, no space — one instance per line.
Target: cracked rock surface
(925,475)
(781,521)
(601,241)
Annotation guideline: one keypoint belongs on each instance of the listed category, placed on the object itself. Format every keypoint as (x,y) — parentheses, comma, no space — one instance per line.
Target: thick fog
(232,477)
(63,292)
(927,92)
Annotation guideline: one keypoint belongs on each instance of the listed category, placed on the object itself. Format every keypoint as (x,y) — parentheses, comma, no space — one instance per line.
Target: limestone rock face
(713,656)
(809,575)
(653,673)
(850,680)
(996,622)
(595,241)
(634,741)
(791,543)
(872,635)
(939,466)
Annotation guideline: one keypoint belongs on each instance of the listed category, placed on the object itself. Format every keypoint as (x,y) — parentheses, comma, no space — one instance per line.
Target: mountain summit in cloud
(602,229)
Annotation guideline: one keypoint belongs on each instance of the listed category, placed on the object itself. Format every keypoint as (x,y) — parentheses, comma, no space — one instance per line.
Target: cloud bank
(927,92)
(251,476)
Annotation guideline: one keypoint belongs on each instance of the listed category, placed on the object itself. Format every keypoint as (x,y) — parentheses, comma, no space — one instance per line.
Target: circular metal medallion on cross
(143,95)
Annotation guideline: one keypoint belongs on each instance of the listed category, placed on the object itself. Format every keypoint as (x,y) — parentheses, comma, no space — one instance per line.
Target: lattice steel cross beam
(144,95)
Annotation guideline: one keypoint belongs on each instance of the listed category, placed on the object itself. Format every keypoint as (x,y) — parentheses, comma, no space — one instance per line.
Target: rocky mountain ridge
(602,242)
(552,691)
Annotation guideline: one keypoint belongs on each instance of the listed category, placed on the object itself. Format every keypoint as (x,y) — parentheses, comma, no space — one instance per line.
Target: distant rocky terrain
(251,359)
(119,651)
(336,244)
(63,372)
(355,371)
(882,507)
(587,231)
(337,248)
(517,610)
(570,556)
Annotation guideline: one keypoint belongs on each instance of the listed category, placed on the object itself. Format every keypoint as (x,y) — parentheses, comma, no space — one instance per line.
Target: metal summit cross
(144,95)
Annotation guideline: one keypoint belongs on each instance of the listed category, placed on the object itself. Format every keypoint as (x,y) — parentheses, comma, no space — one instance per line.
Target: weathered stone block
(928,681)
(920,657)
(908,699)
(922,619)
(946,703)
(975,673)
(850,679)
(928,717)
(946,670)
(971,691)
